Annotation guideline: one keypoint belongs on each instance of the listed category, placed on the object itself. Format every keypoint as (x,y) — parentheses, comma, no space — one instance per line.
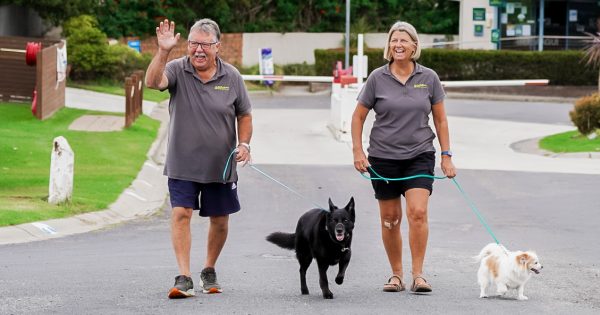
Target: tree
(130,18)
(57,11)
(139,17)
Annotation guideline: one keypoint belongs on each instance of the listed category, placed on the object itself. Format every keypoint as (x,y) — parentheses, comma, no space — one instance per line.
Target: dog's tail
(489,249)
(285,240)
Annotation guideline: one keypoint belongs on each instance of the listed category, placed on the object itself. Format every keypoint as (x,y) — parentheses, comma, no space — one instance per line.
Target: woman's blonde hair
(411,31)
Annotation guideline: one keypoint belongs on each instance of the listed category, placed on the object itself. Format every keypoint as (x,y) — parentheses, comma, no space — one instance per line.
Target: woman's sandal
(393,287)
(420,288)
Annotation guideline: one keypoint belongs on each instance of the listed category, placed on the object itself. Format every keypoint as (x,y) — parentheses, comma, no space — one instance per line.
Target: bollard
(129,114)
(140,108)
(62,162)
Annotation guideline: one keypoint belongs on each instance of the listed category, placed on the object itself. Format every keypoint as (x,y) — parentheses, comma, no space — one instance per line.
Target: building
(527,24)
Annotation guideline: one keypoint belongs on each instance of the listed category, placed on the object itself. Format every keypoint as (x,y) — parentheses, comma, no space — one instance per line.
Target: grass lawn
(115,89)
(105,163)
(571,141)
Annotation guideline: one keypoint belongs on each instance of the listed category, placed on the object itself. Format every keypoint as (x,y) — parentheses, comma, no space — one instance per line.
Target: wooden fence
(50,92)
(18,80)
(134,97)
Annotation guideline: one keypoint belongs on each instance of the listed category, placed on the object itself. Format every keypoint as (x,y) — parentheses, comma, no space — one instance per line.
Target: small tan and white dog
(506,269)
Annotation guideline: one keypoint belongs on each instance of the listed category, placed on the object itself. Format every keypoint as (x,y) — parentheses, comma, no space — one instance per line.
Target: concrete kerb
(146,195)
(503,97)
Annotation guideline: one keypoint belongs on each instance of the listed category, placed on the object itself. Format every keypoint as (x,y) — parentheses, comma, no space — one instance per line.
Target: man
(207,97)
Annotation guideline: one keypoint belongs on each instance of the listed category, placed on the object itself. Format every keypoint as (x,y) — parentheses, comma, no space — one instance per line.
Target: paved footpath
(531,202)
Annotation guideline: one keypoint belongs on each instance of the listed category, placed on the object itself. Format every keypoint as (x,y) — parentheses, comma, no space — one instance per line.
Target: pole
(541,27)
(359,65)
(347,34)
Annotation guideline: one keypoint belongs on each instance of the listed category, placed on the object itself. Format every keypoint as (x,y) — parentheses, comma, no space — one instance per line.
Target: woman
(403,94)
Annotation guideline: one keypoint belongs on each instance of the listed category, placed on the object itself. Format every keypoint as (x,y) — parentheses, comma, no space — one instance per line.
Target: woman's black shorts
(423,163)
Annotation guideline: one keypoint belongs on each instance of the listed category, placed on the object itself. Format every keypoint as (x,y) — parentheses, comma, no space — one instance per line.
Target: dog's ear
(331,205)
(350,208)
(523,259)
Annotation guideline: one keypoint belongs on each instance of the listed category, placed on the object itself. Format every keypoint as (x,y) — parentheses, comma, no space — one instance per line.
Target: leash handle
(227,163)
(269,177)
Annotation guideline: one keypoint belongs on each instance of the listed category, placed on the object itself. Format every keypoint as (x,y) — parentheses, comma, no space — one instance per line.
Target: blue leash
(271,178)
(463,193)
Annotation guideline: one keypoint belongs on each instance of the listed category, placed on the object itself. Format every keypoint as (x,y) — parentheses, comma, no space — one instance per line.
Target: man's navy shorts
(423,163)
(216,199)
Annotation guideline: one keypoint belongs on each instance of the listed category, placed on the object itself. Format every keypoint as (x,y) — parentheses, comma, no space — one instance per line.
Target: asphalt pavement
(124,263)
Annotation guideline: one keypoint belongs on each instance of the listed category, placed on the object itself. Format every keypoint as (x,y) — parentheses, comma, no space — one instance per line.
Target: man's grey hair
(411,31)
(207,26)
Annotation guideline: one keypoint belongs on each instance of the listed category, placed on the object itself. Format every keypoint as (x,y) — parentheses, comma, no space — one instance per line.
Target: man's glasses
(194,45)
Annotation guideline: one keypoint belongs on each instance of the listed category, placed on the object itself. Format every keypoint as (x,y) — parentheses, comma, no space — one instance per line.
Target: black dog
(325,236)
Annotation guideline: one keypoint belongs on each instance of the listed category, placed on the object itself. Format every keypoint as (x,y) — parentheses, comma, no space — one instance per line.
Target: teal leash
(462,192)
(379,177)
(271,178)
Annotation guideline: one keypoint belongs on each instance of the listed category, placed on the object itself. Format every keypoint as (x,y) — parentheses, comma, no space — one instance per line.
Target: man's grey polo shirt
(401,128)
(202,131)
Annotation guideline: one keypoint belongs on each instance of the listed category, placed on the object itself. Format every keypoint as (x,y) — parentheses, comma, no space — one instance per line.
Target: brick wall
(231,47)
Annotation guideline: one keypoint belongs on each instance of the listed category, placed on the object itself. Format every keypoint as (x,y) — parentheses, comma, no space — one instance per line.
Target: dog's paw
(339,280)
(483,296)
(522,298)
(304,291)
(328,295)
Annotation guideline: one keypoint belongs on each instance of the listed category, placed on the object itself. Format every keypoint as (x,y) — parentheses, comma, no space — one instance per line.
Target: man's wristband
(244,144)
(448,153)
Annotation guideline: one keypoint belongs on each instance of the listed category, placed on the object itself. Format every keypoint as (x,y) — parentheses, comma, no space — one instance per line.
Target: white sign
(572,15)
(510,8)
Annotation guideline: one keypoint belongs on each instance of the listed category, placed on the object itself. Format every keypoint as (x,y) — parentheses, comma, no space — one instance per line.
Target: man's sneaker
(209,281)
(184,287)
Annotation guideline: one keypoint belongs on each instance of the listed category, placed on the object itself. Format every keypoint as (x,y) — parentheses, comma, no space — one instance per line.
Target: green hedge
(560,67)
(325,59)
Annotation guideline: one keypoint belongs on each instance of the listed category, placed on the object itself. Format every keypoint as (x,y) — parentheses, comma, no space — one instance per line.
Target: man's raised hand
(165,34)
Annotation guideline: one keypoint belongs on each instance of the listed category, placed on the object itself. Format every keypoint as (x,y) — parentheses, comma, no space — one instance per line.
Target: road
(128,269)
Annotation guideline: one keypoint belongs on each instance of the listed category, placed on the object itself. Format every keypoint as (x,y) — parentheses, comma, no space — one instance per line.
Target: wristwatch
(448,153)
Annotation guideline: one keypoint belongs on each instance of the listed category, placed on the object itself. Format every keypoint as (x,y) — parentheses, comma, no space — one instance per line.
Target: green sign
(495,35)
(478,30)
(478,14)
(497,3)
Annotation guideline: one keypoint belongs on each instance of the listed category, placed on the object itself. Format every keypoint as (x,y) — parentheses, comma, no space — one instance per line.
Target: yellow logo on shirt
(221,88)
(420,86)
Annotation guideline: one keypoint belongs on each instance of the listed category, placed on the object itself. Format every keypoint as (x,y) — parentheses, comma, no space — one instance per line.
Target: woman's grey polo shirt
(401,128)
(202,130)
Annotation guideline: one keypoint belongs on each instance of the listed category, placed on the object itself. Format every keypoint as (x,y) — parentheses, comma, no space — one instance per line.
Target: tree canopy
(57,11)
(139,17)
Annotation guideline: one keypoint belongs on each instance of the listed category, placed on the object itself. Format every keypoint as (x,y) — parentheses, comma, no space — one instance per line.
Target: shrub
(586,114)
(92,58)
(87,47)
(123,61)
(299,69)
